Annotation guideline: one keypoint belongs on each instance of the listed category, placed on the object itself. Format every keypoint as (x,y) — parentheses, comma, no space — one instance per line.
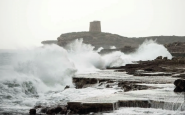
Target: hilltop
(106,40)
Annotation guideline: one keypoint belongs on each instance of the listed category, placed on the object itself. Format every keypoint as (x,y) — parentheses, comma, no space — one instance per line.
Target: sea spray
(27,75)
(39,75)
(84,57)
(149,50)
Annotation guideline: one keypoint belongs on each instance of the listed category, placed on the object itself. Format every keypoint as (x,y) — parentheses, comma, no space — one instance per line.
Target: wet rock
(110,81)
(165,58)
(64,110)
(132,86)
(38,106)
(54,110)
(177,89)
(180,75)
(51,111)
(127,88)
(122,83)
(58,109)
(149,69)
(32,112)
(135,103)
(80,82)
(180,85)
(67,86)
(107,86)
(100,84)
(153,74)
(44,109)
(86,108)
(159,58)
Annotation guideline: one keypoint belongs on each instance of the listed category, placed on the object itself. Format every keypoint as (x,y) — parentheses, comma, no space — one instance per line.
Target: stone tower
(95,27)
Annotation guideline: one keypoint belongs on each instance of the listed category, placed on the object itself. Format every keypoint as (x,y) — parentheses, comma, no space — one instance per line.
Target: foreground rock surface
(158,67)
(139,88)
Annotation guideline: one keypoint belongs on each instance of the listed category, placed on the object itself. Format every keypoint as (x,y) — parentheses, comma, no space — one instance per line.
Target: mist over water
(149,50)
(51,67)
(84,57)
(34,72)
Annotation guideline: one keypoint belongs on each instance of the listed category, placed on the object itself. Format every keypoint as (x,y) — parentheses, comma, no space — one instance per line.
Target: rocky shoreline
(158,71)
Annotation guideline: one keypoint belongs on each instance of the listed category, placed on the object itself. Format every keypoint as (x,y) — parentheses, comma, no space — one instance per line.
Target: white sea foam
(149,50)
(29,75)
(112,47)
(144,111)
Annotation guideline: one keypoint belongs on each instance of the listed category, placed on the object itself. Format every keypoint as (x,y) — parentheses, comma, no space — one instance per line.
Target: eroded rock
(32,112)
(180,85)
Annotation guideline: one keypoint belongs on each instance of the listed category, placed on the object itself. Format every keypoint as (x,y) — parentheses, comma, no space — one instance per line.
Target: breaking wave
(28,73)
(149,50)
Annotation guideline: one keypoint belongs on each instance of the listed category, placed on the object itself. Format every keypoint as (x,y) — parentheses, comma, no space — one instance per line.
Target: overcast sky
(25,23)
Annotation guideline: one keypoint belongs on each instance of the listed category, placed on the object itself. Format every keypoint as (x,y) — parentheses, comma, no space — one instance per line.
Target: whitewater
(38,76)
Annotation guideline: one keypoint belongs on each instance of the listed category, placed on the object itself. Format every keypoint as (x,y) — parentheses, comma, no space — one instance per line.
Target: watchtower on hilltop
(95,27)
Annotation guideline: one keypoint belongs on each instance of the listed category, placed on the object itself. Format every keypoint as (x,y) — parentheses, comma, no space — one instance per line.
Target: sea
(38,75)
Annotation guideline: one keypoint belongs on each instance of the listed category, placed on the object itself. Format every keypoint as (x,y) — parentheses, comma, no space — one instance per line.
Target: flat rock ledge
(86,108)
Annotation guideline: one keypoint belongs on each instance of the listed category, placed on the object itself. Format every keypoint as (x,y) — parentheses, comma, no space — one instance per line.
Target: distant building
(95,27)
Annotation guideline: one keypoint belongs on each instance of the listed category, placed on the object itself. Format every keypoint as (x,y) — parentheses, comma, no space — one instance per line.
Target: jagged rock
(58,109)
(54,110)
(80,82)
(176,47)
(32,112)
(165,58)
(180,85)
(177,89)
(107,86)
(127,88)
(64,110)
(67,86)
(44,109)
(159,57)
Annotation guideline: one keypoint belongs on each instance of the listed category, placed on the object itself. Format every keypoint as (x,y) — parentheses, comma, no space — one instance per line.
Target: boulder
(180,85)
(165,58)
(159,57)
(32,112)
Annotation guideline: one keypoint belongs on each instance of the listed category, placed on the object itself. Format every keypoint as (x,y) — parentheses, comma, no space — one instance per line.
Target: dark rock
(32,112)
(159,58)
(80,82)
(165,58)
(38,106)
(100,84)
(110,81)
(135,103)
(180,76)
(180,85)
(127,88)
(67,86)
(86,108)
(44,109)
(51,111)
(177,89)
(64,110)
(107,86)
(58,109)
(174,58)
(148,69)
